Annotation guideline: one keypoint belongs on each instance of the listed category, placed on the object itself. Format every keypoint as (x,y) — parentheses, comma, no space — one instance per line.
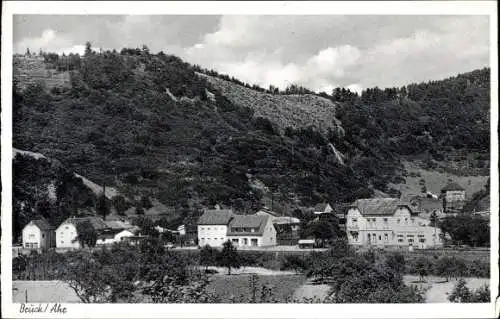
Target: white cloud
(355,87)
(49,41)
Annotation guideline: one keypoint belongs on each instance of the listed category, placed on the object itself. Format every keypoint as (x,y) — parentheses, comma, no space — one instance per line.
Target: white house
(111,236)
(213,227)
(38,234)
(252,231)
(66,233)
(322,208)
(382,222)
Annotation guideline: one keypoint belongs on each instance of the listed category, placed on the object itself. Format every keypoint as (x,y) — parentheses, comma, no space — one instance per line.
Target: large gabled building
(220,225)
(252,231)
(385,222)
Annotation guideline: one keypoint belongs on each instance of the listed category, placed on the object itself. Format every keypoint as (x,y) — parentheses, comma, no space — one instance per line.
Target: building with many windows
(252,231)
(213,226)
(219,225)
(385,222)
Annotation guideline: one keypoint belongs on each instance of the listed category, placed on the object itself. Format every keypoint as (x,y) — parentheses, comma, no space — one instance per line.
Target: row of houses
(39,234)
(380,222)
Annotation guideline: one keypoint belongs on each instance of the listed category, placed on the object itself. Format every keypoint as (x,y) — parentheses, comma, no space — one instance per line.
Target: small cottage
(38,233)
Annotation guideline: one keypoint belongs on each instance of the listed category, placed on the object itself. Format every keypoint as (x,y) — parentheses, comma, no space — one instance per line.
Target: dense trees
(467,229)
(140,112)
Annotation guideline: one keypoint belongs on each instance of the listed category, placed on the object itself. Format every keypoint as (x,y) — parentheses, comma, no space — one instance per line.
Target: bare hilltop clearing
(296,111)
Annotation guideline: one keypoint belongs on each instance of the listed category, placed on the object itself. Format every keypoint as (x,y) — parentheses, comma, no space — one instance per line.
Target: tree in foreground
(87,235)
(207,256)
(462,293)
(228,257)
(422,267)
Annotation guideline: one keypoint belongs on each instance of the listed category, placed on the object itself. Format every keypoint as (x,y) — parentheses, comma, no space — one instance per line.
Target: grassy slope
(435,180)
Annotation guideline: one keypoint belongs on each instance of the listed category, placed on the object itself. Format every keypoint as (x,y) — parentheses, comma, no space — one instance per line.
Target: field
(234,286)
(435,180)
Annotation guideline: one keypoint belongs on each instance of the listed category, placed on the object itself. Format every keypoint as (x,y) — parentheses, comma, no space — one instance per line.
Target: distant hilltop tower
(453,196)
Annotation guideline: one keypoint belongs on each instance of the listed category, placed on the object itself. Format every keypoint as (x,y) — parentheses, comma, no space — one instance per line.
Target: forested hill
(148,124)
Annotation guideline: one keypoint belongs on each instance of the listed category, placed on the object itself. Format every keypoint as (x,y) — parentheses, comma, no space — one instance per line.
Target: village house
(287,227)
(38,233)
(322,208)
(252,231)
(453,196)
(385,222)
(213,227)
(67,235)
(111,236)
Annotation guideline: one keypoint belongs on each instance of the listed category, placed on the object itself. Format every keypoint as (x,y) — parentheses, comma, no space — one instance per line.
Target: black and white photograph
(167,158)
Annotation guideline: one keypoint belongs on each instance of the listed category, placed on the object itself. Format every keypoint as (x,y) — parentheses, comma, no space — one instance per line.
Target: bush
(294,262)
(462,293)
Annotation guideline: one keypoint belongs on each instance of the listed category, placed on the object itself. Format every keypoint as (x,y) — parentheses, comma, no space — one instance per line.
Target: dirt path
(252,270)
(438,289)
(310,290)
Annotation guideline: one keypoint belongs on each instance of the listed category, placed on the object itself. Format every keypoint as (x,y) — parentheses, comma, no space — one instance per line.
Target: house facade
(38,234)
(453,197)
(67,235)
(287,227)
(385,222)
(213,227)
(252,231)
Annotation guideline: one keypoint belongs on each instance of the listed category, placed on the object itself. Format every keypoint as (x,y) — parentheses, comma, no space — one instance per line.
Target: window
(380,237)
(208,228)
(354,235)
(385,220)
(386,237)
(406,220)
(62,241)
(422,240)
(43,235)
(399,220)
(245,241)
(32,236)
(254,241)
(410,240)
(354,220)
(400,240)
(66,227)
(235,241)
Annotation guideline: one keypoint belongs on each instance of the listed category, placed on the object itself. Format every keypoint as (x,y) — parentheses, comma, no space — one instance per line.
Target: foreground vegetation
(149,273)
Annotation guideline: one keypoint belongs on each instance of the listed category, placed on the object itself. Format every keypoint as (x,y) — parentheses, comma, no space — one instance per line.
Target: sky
(319,52)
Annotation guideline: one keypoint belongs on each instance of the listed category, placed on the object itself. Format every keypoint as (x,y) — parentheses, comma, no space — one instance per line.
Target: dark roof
(109,233)
(96,222)
(430,204)
(320,207)
(216,217)
(378,206)
(42,224)
(248,221)
(452,186)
